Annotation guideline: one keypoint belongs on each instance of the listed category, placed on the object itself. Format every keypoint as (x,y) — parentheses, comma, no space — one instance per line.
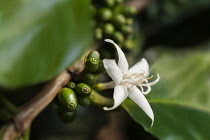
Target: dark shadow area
(186,32)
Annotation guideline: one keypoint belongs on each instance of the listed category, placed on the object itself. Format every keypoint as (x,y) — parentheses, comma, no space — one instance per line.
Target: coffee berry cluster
(114,20)
(78,90)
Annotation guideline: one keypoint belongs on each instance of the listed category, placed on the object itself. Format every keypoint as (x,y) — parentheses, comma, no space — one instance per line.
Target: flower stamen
(149,78)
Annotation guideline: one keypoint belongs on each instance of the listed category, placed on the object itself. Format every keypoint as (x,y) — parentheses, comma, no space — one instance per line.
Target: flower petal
(122,61)
(148,90)
(141,65)
(152,83)
(120,94)
(113,70)
(135,94)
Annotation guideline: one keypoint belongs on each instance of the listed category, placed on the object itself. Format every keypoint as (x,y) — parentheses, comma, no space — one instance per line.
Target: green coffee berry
(89,78)
(129,11)
(129,44)
(126,29)
(84,101)
(91,65)
(101,68)
(108,28)
(105,14)
(71,85)
(119,19)
(93,54)
(129,21)
(118,37)
(66,116)
(83,89)
(118,1)
(68,99)
(109,3)
(98,33)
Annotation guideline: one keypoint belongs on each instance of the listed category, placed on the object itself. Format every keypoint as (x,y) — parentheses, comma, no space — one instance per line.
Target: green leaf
(40,38)
(180,100)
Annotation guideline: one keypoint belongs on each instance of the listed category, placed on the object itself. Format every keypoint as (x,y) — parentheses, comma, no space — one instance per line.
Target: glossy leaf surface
(40,38)
(181,99)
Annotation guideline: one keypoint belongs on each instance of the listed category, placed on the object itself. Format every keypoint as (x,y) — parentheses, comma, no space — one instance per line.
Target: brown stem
(27,112)
(32,108)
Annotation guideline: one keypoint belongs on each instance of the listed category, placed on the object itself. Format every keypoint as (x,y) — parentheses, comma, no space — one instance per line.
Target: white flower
(126,81)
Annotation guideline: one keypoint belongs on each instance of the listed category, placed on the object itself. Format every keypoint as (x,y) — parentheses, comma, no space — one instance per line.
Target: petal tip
(158,77)
(108,40)
(107,109)
(144,59)
(152,123)
(152,118)
(111,41)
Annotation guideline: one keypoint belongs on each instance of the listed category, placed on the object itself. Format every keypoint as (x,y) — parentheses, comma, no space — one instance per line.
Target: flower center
(131,79)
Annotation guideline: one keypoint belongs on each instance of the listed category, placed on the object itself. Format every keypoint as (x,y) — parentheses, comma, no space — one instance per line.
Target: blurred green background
(40,38)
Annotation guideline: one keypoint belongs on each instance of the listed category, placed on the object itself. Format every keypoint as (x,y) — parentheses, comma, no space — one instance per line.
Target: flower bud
(89,79)
(93,54)
(68,99)
(83,89)
(129,11)
(108,28)
(109,3)
(105,14)
(84,101)
(129,44)
(118,1)
(118,37)
(71,85)
(91,64)
(119,20)
(129,21)
(66,116)
(98,33)
(126,29)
